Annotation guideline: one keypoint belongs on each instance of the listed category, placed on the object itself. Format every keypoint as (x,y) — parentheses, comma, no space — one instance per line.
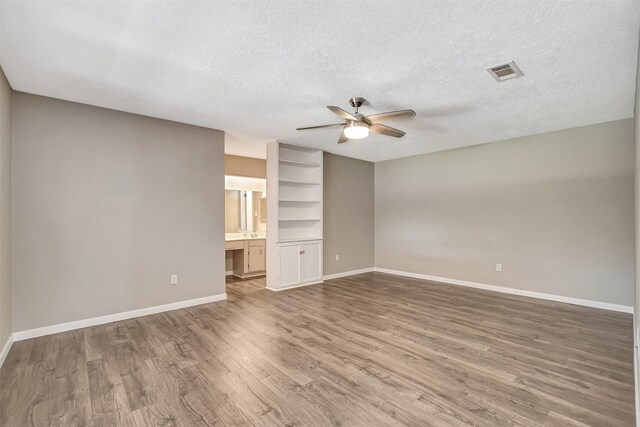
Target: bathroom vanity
(248,254)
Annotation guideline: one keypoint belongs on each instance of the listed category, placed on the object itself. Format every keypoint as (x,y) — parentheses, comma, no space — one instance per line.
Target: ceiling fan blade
(386,130)
(377,118)
(342,138)
(339,111)
(321,126)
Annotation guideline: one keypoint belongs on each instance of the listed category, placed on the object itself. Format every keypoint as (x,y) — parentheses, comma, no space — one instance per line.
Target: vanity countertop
(237,238)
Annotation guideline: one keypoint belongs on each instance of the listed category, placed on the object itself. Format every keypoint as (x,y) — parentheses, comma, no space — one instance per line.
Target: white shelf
(298,201)
(295,182)
(300,239)
(298,163)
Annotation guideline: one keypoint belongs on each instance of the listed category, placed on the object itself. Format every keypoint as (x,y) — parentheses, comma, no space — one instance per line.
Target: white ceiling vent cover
(506,71)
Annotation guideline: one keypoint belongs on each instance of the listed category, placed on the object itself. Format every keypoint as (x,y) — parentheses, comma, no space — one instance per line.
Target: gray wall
(5,210)
(556,210)
(637,234)
(348,211)
(106,206)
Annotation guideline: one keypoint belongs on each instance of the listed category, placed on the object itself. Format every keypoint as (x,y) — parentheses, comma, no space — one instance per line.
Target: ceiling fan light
(356,130)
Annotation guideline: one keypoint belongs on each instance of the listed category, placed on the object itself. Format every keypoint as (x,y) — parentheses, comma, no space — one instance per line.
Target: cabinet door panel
(312,262)
(289,265)
(256,258)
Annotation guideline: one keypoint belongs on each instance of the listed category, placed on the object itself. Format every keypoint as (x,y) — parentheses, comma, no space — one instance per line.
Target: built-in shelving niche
(294,216)
(299,193)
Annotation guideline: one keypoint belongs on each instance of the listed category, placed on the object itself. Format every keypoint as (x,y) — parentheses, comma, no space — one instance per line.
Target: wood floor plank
(371,349)
(208,384)
(109,404)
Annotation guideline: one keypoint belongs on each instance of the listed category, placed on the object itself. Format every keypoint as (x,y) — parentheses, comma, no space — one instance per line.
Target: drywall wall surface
(245,166)
(5,211)
(555,210)
(348,211)
(636,317)
(107,206)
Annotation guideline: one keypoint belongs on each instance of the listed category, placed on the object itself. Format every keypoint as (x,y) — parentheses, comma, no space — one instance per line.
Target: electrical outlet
(337,257)
(498,267)
(174,279)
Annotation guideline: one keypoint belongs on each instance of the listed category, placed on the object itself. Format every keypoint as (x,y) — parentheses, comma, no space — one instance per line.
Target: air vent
(505,71)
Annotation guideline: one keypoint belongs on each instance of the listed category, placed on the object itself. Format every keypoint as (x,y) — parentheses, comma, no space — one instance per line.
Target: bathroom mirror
(263,209)
(245,204)
(234,215)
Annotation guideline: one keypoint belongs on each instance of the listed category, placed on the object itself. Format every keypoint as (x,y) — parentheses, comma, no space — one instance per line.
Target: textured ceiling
(258,70)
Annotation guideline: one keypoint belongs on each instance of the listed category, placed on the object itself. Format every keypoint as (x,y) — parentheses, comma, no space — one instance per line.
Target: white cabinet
(256,258)
(289,264)
(299,263)
(248,257)
(294,224)
(311,261)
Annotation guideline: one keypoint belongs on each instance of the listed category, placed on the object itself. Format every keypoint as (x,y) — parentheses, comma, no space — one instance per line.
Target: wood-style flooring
(366,350)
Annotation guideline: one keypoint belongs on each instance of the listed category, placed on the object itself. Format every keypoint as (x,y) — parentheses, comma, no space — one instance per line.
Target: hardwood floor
(366,350)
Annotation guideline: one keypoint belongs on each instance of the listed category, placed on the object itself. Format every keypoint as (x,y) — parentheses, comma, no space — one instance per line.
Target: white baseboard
(249,275)
(512,291)
(5,349)
(347,273)
(295,286)
(69,326)
(228,273)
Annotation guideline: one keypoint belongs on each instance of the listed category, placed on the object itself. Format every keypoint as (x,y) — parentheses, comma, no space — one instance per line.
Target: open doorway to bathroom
(245,233)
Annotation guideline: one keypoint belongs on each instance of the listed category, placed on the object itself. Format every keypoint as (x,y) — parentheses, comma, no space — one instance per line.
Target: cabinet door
(289,265)
(312,261)
(256,258)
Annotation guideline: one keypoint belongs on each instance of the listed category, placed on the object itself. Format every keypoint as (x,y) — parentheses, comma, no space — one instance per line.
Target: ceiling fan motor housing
(357,101)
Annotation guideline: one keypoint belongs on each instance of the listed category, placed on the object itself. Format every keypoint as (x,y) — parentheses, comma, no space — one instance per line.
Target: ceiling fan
(357,126)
